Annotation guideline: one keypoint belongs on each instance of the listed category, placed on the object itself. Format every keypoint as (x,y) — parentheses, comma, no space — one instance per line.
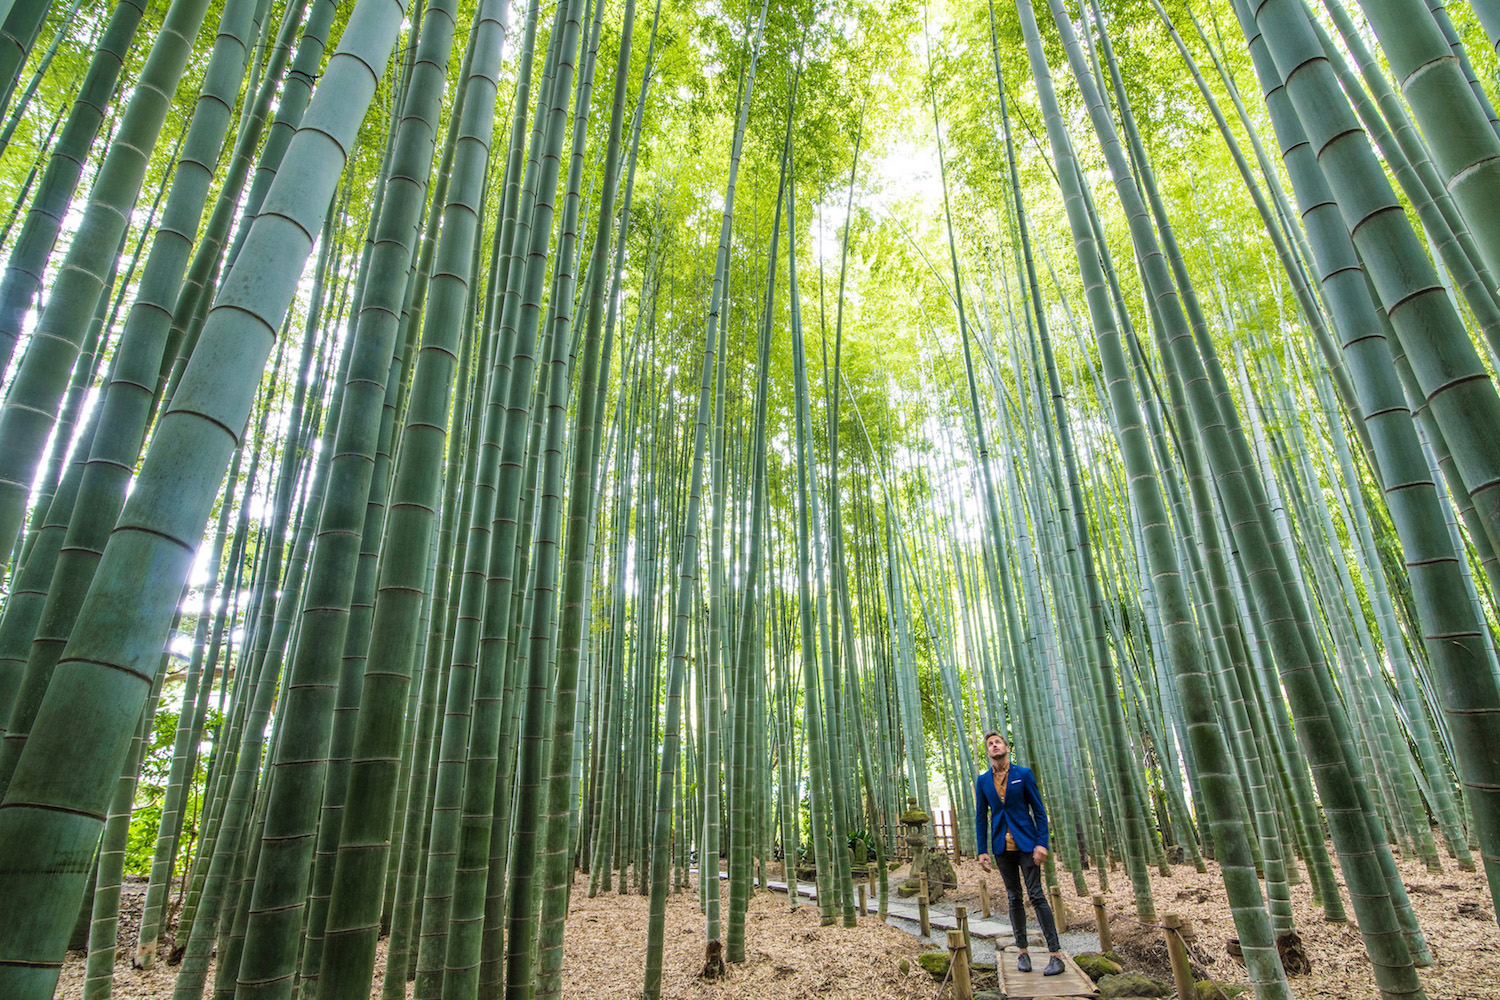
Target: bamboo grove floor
(1454,909)
(791,956)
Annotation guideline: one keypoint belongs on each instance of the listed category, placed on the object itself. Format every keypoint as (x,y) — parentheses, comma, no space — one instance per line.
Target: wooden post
(923,916)
(984,898)
(959,953)
(1102,919)
(862,910)
(1182,973)
(1059,909)
(961,914)
(922,881)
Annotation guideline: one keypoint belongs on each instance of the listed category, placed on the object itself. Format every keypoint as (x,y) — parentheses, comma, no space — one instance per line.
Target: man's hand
(1039,854)
(984,862)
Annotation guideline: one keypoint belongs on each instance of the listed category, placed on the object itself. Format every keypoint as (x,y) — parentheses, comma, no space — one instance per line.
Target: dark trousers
(1014,865)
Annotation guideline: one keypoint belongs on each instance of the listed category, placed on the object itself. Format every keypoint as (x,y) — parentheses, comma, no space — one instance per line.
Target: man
(1018,835)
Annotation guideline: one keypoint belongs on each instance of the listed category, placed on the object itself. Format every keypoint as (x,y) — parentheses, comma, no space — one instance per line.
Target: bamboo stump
(1182,973)
(862,911)
(963,988)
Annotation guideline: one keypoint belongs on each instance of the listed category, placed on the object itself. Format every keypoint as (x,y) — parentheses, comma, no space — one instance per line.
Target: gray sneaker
(1054,967)
(1023,962)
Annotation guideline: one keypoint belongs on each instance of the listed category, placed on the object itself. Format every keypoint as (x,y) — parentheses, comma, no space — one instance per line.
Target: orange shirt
(999,780)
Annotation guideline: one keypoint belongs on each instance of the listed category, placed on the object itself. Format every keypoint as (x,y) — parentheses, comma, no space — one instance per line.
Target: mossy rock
(1132,984)
(936,963)
(1114,956)
(1209,989)
(938,868)
(1097,966)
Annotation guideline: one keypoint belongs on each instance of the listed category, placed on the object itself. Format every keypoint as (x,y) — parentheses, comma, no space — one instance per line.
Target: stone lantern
(933,865)
(915,821)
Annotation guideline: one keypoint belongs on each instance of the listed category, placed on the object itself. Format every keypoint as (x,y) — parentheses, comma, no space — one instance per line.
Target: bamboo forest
(505,498)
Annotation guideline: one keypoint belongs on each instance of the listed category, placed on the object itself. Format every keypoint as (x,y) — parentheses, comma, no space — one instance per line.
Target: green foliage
(157,761)
(862,845)
(145,824)
(145,817)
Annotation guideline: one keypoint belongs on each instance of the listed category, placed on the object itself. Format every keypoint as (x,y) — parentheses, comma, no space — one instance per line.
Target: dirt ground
(1453,908)
(791,956)
(788,955)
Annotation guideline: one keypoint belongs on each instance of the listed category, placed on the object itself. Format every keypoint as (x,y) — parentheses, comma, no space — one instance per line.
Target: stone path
(983,933)
(939,915)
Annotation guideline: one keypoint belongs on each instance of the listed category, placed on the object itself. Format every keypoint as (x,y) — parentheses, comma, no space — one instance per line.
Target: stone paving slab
(988,935)
(940,916)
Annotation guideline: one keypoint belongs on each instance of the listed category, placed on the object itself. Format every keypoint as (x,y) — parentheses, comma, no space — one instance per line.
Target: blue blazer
(1022,812)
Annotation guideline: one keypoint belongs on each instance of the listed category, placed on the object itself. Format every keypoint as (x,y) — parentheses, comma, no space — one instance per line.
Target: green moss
(935,962)
(1097,966)
(1132,984)
(1208,989)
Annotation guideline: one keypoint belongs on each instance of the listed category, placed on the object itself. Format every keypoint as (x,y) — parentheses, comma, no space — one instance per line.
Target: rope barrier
(1200,960)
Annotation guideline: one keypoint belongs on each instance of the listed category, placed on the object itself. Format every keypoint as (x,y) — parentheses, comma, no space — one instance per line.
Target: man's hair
(996,732)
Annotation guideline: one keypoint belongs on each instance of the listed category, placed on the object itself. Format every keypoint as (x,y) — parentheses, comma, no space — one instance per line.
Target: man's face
(997,748)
